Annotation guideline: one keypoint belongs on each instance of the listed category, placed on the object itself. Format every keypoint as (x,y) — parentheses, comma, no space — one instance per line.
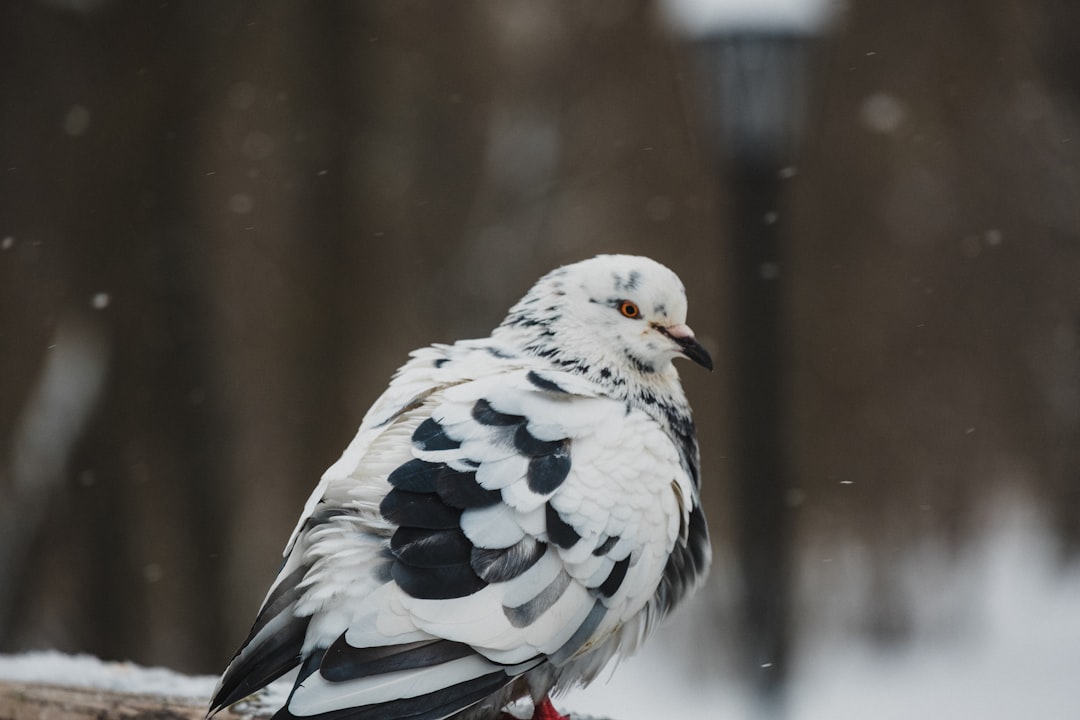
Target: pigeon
(513,512)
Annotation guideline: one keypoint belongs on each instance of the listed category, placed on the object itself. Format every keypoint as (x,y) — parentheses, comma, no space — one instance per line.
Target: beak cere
(688,344)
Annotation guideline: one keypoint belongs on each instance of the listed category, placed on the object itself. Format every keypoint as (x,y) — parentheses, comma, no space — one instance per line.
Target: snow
(85,671)
(241,203)
(77,120)
(883,113)
(699,18)
(1014,654)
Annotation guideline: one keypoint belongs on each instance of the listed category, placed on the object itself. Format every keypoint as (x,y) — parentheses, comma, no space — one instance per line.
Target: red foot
(544,710)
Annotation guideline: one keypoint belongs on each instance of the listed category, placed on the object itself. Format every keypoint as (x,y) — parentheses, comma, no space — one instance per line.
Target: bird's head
(623,310)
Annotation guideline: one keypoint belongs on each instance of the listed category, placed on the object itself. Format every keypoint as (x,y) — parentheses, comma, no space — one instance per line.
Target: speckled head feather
(576,316)
(514,511)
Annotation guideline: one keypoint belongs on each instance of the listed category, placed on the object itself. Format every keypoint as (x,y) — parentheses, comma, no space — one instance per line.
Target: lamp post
(755,62)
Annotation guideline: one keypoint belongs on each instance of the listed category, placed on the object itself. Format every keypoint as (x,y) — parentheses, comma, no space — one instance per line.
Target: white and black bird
(513,512)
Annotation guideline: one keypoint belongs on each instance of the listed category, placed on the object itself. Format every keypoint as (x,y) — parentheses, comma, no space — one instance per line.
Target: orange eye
(629,309)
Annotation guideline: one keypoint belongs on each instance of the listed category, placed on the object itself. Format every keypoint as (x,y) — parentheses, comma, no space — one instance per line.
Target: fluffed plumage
(513,511)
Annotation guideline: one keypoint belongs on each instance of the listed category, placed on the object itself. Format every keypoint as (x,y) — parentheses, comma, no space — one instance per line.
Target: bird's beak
(688,344)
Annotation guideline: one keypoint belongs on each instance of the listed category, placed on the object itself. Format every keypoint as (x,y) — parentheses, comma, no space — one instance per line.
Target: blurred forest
(224,224)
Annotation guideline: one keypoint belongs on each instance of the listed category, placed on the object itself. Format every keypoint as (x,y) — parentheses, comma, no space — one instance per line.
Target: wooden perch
(37,701)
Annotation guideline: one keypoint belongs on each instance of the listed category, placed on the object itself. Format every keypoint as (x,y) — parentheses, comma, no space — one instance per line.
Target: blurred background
(223,226)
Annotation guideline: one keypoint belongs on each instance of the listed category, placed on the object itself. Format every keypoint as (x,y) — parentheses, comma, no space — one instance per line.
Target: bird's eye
(629,309)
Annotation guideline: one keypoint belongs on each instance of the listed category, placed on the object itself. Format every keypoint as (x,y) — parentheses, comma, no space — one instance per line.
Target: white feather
(572,376)
(316,695)
(492,527)
(530,583)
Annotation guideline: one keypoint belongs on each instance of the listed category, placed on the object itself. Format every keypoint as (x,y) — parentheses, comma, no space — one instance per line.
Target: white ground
(1009,648)
(1012,652)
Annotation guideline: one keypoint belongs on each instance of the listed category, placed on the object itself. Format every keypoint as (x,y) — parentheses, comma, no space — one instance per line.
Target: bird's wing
(275,643)
(491,526)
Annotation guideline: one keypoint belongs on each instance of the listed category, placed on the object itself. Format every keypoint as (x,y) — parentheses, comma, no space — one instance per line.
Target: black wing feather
(432,706)
(343,662)
(257,665)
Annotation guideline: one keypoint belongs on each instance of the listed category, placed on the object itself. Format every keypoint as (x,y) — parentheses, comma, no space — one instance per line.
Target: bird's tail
(272,647)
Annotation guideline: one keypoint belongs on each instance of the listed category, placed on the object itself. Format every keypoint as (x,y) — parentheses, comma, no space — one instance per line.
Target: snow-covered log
(79,687)
(33,701)
(55,686)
